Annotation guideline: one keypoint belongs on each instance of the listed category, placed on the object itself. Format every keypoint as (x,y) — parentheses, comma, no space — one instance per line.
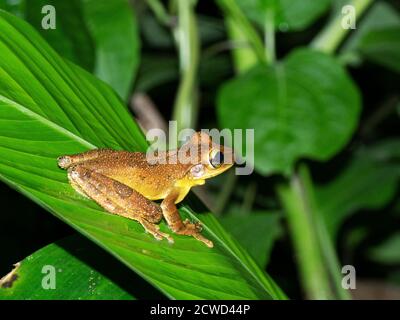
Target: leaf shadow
(98,259)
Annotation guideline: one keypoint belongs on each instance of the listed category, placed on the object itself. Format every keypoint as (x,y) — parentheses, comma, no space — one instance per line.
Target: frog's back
(153,180)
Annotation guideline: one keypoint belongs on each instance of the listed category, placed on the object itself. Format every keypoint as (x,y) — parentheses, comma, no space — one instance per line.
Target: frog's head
(208,159)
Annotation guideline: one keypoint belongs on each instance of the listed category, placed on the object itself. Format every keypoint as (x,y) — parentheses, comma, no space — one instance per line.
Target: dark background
(25,227)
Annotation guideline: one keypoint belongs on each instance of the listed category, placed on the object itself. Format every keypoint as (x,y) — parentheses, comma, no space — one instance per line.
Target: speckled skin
(124,183)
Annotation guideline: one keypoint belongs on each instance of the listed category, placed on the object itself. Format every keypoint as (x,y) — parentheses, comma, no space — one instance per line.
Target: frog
(129,184)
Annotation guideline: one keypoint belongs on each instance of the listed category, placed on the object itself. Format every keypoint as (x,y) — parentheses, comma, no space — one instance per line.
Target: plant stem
(333,34)
(245,57)
(312,272)
(325,241)
(159,11)
(185,107)
(315,254)
(233,11)
(269,35)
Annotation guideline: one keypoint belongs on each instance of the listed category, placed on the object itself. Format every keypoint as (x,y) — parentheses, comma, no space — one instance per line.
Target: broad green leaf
(262,226)
(153,33)
(380,16)
(158,36)
(72,269)
(49,107)
(306,106)
(156,70)
(16,7)
(299,14)
(383,47)
(71,37)
(369,181)
(290,15)
(113,27)
(387,252)
(99,35)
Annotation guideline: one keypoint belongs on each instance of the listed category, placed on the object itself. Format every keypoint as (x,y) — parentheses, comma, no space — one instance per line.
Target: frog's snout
(64,162)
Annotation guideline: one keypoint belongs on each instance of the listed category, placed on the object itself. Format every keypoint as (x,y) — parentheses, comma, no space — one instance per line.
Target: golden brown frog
(124,183)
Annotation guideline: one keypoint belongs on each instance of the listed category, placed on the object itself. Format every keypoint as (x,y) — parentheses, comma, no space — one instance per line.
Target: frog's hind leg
(76,186)
(67,161)
(119,199)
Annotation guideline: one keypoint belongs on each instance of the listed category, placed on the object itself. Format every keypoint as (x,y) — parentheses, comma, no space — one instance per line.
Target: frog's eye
(216,158)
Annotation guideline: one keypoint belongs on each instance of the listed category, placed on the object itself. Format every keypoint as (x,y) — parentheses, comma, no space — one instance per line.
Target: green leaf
(113,26)
(318,264)
(100,36)
(264,227)
(156,70)
(153,33)
(78,275)
(387,252)
(299,14)
(369,181)
(306,106)
(383,47)
(48,108)
(380,16)
(71,37)
(16,7)
(290,15)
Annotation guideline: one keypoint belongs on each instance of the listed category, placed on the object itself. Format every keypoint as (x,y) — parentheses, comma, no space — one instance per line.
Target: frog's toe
(169,238)
(160,235)
(193,229)
(154,230)
(192,226)
(208,243)
(163,235)
(198,226)
(203,239)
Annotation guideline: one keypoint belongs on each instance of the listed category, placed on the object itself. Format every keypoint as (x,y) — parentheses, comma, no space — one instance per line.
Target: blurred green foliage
(316,94)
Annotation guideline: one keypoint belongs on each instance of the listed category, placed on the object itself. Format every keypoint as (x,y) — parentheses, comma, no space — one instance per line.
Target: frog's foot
(154,230)
(194,226)
(194,229)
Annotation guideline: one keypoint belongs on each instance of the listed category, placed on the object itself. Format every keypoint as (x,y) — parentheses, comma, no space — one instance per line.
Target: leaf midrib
(231,252)
(46,122)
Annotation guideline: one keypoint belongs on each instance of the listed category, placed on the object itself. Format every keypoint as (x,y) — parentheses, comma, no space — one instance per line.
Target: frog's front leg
(171,215)
(118,198)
